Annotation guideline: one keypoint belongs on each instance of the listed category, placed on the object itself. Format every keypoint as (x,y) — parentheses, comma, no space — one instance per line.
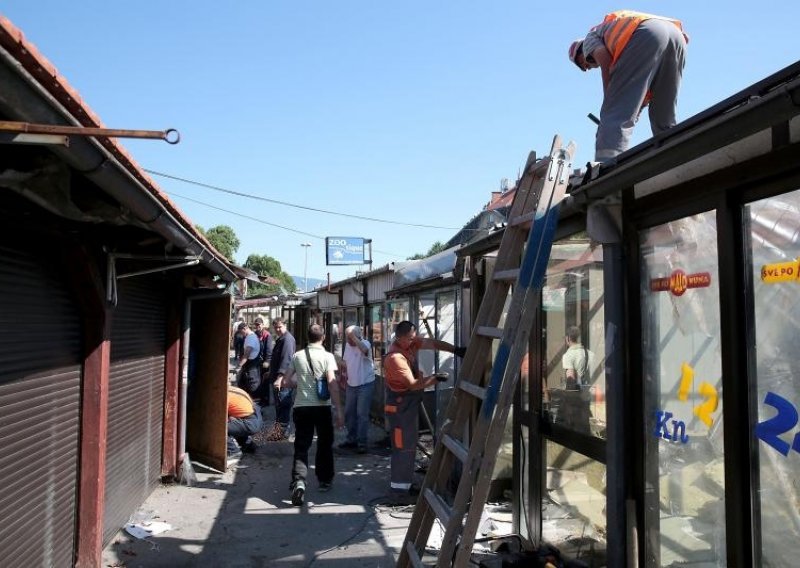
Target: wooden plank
(488,331)
(413,556)
(438,505)
(459,450)
(523,221)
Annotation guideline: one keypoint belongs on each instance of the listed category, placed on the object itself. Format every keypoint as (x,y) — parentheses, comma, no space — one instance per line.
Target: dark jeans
(284,399)
(242,428)
(308,419)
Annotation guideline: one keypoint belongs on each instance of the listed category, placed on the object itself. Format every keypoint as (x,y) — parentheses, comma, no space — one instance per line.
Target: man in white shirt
(360,384)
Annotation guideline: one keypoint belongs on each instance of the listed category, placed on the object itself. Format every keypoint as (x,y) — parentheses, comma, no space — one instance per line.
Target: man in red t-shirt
(404,386)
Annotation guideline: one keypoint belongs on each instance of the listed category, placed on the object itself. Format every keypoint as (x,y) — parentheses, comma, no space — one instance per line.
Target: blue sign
(346,250)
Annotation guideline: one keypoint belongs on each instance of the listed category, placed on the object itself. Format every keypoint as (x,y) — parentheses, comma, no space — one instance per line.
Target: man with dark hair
(265,340)
(312,414)
(249,376)
(576,363)
(281,359)
(404,387)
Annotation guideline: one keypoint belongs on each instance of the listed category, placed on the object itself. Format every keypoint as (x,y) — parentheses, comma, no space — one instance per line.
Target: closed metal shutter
(135,399)
(40,379)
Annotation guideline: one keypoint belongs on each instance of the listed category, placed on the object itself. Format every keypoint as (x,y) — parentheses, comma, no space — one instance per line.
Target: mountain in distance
(299,281)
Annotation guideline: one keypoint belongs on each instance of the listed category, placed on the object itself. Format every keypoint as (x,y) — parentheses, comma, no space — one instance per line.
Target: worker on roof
(641,57)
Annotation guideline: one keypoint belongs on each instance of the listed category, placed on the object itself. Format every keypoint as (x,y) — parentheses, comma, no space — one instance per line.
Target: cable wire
(257,220)
(287,204)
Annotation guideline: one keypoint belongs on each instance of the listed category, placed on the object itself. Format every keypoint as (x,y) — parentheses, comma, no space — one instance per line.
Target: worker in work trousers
(641,57)
(404,390)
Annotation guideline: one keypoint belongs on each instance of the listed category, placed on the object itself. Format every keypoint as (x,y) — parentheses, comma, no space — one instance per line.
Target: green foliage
(223,238)
(265,265)
(436,247)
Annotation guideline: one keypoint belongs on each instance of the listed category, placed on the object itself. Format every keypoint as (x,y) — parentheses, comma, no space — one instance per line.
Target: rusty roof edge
(42,76)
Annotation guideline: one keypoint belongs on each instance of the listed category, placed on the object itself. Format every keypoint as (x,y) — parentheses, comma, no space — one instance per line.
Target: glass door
(570,364)
(773,244)
(681,374)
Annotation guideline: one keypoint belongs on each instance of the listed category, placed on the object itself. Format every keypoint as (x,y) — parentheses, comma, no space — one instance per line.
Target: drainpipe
(184,386)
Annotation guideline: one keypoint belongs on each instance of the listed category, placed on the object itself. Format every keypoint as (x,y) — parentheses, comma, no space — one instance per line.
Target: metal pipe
(170,136)
(186,325)
(159,269)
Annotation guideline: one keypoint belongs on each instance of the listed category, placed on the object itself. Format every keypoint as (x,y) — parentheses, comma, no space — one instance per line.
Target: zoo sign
(347,250)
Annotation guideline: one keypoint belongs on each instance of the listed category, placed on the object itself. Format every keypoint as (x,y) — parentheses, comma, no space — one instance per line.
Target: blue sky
(408,111)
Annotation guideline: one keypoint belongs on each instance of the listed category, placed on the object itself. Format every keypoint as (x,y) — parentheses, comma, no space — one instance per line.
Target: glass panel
(685,503)
(426,310)
(396,311)
(376,336)
(775,251)
(574,505)
(526,464)
(573,340)
(337,332)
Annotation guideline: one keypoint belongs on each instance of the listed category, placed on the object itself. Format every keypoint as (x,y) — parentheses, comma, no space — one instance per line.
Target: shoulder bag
(322,382)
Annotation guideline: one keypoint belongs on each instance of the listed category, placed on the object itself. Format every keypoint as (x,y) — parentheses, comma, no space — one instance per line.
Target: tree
(436,247)
(265,265)
(223,238)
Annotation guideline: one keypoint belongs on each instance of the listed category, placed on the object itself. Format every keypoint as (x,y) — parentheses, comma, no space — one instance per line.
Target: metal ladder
(529,237)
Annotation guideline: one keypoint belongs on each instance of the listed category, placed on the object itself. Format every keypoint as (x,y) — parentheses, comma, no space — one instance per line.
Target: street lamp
(305,267)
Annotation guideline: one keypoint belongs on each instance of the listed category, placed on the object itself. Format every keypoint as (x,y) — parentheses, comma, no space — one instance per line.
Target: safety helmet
(575,49)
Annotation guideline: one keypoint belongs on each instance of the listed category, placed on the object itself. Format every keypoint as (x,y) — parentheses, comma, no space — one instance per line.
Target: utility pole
(305,266)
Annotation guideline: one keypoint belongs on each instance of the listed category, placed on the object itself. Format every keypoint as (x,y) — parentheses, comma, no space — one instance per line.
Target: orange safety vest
(625,22)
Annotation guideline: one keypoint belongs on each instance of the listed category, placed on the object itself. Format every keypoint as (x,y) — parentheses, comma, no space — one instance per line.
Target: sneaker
(298,493)
(249,447)
(348,446)
(325,486)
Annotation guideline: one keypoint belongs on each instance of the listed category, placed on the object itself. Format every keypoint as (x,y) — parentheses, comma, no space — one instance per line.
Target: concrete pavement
(244,517)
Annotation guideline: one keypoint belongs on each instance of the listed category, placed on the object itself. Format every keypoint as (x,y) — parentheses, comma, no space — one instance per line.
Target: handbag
(322,383)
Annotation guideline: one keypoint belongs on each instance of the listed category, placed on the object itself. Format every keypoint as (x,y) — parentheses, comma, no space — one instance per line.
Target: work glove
(459,351)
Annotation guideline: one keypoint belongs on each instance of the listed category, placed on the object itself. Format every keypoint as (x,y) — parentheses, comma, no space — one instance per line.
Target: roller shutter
(40,379)
(135,399)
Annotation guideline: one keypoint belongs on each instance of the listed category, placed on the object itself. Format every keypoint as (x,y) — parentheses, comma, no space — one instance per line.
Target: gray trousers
(652,61)
(402,412)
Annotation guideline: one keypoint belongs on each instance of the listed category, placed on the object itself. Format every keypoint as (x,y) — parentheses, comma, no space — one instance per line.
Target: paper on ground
(147,529)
